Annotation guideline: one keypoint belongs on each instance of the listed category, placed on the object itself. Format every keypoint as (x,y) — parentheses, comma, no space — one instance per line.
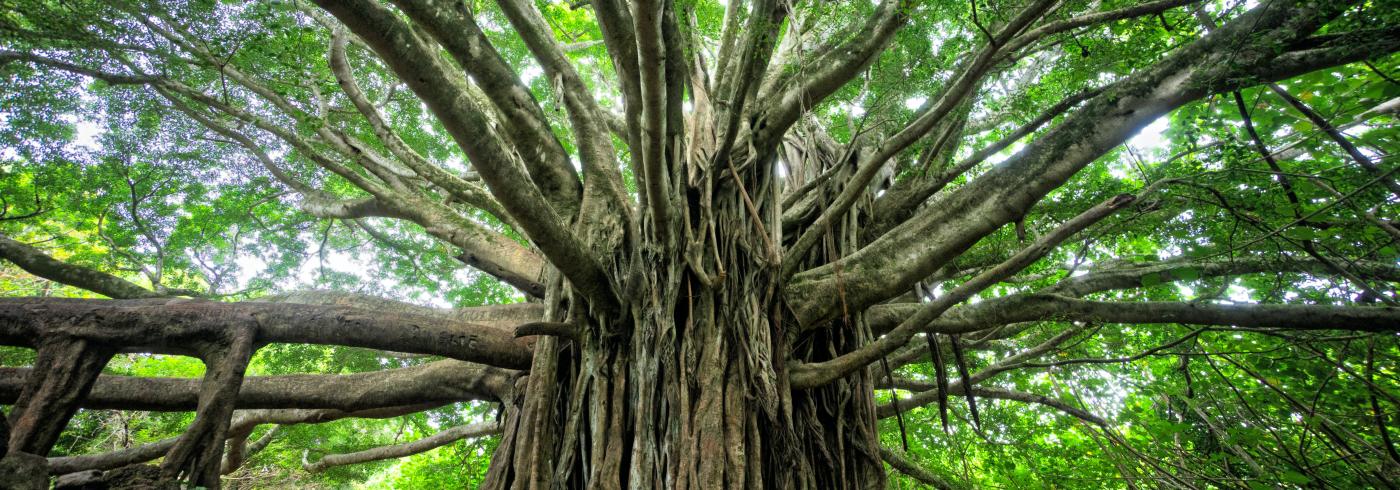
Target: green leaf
(1294,477)
(1150,280)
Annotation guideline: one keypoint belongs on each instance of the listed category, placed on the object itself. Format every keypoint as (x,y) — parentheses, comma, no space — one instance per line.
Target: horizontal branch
(175,326)
(505,317)
(447,381)
(406,449)
(1050,307)
(1165,272)
(325,206)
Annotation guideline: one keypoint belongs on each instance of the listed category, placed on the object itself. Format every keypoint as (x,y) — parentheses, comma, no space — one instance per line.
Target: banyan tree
(704,243)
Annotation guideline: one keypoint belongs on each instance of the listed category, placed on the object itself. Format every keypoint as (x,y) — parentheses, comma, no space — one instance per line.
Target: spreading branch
(817,374)
(1241,52)
(445,92)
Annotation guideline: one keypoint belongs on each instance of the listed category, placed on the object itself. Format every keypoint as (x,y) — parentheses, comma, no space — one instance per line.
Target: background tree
(692,244)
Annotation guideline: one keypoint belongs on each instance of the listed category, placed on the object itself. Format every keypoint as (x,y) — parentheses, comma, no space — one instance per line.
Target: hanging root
(198,453)
(63,374)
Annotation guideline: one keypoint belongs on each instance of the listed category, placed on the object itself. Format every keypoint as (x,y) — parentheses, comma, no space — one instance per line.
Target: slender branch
(1170,271)
(406,449)
(1050,307)
(902,464)
(959,389)
(243,422)
(1148,8)
(454,185)
(1337,137)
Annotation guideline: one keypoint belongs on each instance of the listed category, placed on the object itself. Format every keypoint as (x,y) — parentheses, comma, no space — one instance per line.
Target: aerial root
(198,453)
(63,373)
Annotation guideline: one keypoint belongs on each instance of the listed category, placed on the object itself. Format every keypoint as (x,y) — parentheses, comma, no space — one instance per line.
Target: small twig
(990,38)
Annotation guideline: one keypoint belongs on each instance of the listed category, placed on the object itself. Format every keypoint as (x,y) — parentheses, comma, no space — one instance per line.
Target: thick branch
(35,261)
(324,206)
(903,199)
(589,121)
(505,317)
(172,325)
(454,27)
(439,382)
(651,65)
(445,93)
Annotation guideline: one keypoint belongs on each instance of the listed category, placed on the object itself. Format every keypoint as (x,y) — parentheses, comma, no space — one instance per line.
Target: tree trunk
(688,388)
